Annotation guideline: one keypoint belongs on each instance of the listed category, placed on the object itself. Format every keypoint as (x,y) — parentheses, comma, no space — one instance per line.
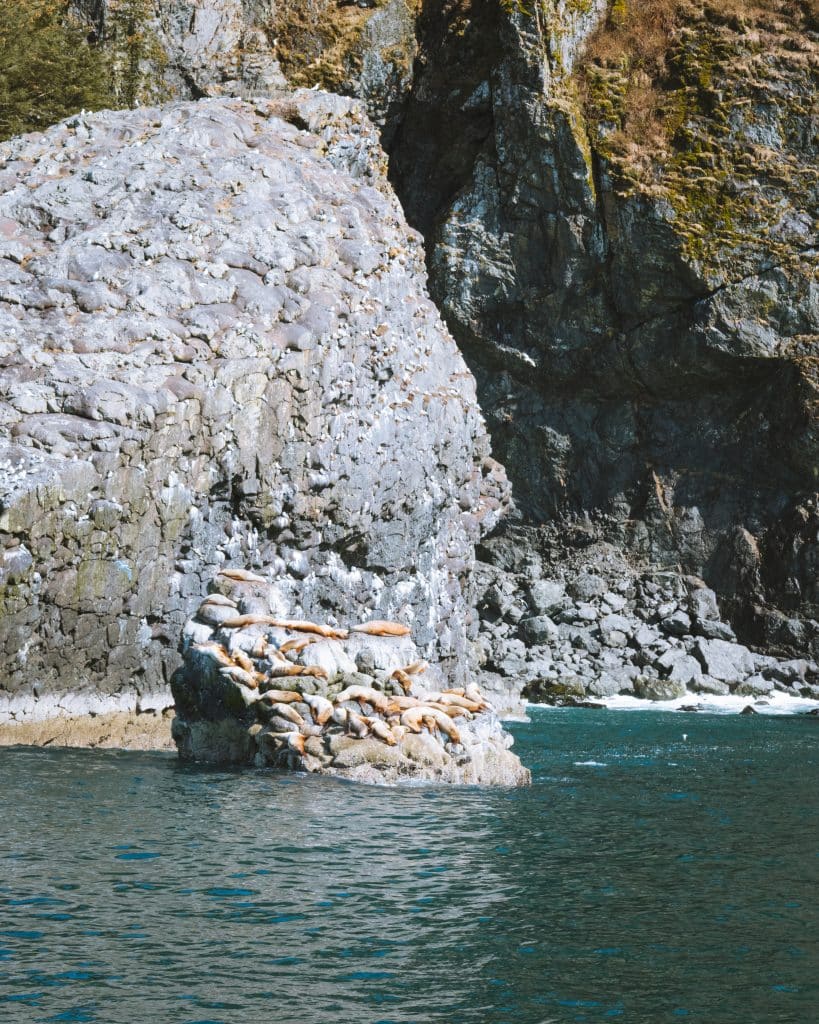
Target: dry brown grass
(636,45)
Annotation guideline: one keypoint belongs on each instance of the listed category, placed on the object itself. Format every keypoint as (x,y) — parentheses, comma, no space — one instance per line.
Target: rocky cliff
(620,207)
(216,344)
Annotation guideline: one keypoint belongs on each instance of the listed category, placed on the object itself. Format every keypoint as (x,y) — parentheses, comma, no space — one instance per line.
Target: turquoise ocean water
(644,877)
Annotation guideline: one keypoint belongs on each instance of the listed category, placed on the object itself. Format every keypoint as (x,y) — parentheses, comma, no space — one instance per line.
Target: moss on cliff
(54,63)
(319,43)
(708,106)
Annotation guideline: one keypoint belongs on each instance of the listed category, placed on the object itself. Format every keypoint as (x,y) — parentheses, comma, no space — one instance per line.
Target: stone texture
(217,314)
(722,660)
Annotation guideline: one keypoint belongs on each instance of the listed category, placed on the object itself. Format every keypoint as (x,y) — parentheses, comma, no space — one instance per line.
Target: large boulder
(261,688)
(216,346)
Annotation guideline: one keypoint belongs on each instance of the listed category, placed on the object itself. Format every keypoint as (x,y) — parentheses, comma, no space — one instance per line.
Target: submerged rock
(271,691)
(216,347)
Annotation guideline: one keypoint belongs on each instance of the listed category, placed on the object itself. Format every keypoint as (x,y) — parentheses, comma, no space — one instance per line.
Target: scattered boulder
(658,689)
(722,660)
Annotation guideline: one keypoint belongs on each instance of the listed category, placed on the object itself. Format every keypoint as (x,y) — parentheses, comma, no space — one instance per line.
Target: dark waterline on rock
(642,876)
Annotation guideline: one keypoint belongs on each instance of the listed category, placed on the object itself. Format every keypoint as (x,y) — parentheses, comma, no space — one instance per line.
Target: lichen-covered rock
(216,345)
(188,49)
(255,690)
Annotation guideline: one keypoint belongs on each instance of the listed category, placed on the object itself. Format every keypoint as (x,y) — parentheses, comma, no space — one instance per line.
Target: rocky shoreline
(593,627)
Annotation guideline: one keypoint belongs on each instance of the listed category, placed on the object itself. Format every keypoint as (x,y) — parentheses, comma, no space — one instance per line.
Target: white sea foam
(591,764)
(775,703)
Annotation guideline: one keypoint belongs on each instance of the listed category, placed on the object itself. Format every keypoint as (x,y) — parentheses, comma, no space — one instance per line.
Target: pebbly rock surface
(216,347)
(258,687)
(595,626)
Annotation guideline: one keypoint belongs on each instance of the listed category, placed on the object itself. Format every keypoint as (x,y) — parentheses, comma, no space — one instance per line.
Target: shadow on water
(642,876)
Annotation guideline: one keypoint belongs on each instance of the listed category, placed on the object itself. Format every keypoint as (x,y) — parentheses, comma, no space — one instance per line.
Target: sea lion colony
(297,692)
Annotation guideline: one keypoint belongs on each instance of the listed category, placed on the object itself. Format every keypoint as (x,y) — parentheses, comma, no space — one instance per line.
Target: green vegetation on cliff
(52,64)
(48,69)
(704,103)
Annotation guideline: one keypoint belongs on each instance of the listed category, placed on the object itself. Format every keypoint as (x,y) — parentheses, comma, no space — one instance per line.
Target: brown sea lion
(304,626)
(219,600)
(285,711)
(241,576)
(281,696)
(443,722)
(401,677)
(215,652)
(297,644)
(239,675)
(243,661)
(365,694)
(381,730)
(379,627)
(320,707)
(287,668)
(357,725)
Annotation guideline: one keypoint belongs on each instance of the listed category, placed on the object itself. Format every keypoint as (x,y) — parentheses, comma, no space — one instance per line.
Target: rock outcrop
(216,346)
(626,254)
(188,49)
(258,687)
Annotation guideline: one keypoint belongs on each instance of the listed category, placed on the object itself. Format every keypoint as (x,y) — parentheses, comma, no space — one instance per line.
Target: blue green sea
(660,868)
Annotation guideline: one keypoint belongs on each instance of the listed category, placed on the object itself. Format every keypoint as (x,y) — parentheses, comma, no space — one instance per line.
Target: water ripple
(639,877)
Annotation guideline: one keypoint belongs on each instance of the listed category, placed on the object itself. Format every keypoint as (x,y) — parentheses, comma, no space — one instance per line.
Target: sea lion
(404,680)
(412,719)
(403,703)
(443,722)
(241,576)
(304,626)
(454,700)
(219,600)
(294,741)
(215,652)
(381,730)
(357,725)
(259,649)
(473,693)
(244,662)
(281,696)
(251,619)
(416,668)
(287,668)
(364,694)
(339,716)
(285,711)
(297,644)
(320,707)
(239,675)
(379,627)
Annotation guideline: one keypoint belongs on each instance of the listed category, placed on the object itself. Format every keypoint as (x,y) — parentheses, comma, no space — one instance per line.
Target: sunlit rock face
(216,345)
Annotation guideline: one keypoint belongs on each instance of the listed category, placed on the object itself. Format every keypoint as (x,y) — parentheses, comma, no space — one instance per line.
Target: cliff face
(216,345)
(189,49)
(621,235)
